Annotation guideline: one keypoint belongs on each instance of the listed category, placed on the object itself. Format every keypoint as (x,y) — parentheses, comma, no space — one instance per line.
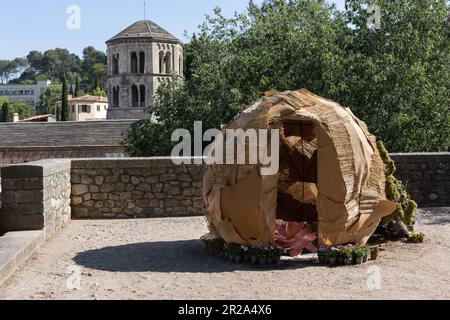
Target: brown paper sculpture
(331,175)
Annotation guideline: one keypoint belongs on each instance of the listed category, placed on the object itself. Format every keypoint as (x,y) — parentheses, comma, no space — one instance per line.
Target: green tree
(10,68)
(5,113)
(47,102)
(393,78)
(98,92)
(64,102)
(23,109)
(77,86)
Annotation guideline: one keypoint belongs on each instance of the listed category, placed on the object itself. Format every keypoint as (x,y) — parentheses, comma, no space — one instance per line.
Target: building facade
(29,93)
(140,58)
(88,108)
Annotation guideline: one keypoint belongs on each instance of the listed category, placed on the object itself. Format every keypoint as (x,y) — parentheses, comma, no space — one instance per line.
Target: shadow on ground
(177,256)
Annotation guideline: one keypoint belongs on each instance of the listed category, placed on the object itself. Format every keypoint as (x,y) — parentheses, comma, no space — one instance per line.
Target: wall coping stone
(36,169)
(120,163)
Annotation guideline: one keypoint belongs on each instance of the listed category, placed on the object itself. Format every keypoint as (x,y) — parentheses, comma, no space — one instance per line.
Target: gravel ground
(161,259)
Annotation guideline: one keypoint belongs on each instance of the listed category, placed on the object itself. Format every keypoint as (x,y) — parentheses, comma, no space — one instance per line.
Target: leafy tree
(94,68)
(393,78)
(77,86)
(98,92)
(10,68)
(22,108)
(5,113)
(47,102)
(64,102)
(53,64)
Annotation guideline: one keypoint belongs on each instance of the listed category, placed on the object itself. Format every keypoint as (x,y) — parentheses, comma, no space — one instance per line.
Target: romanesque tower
(140,58)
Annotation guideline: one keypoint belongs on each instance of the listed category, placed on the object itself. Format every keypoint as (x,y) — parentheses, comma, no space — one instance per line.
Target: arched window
(168,63)
(180,65)
(116,92)
(142,96)
(134,62)
(134,96)
(161,62)
(142,62)
(115,63)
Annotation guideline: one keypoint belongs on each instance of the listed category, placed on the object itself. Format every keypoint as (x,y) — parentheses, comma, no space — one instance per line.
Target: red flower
(295,237)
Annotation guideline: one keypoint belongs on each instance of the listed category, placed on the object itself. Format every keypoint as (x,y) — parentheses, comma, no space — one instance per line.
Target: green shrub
(396,191)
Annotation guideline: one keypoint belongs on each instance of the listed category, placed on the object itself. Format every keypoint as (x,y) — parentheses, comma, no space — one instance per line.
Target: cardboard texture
(331,175)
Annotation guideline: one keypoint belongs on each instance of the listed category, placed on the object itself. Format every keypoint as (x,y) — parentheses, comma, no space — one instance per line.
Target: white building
(88,108)
(30,93)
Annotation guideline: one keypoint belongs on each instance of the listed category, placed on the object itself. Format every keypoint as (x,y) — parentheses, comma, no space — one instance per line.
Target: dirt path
(160,259)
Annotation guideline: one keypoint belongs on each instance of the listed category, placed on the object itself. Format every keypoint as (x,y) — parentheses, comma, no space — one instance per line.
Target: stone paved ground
(161,259)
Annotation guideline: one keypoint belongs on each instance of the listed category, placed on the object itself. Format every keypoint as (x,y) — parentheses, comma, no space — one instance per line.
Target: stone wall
(17,155)
(135,188)
(36,196)
(427,177)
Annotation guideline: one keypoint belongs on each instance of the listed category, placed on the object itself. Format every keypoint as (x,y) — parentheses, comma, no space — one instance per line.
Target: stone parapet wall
(36,196)
(135,188)
(427,177)
(24,154)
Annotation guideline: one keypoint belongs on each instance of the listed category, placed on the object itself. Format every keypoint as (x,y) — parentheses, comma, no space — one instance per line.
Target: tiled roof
(145,29)
(59,134)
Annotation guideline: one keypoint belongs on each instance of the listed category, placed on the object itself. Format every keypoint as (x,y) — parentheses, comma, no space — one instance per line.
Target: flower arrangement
(295,237)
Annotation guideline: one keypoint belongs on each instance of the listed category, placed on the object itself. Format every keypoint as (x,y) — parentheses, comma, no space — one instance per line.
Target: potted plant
(347,255)
(332,257)
(366,256)
(323,255)
(261,256)
(416,237)
(253,252)
(233,252)
(421,237)
(359,254)
(274,254)
(245,253)
(374,253)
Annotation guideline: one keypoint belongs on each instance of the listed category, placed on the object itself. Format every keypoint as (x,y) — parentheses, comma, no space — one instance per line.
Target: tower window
(161,62)
(116,97)
(142,96)
(115,62)
(142,62)
(134,62)
(168,63)
(134,96)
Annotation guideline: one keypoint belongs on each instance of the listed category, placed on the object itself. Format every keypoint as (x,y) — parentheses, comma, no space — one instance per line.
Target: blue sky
(41,25)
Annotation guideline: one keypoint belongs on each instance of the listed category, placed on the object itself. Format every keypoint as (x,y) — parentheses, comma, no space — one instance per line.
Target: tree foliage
(65,103)
(394,78)
(5,117)
(23,109)
(56,63)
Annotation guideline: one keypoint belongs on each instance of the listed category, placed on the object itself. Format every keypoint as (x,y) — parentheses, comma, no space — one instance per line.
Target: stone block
(79,189)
